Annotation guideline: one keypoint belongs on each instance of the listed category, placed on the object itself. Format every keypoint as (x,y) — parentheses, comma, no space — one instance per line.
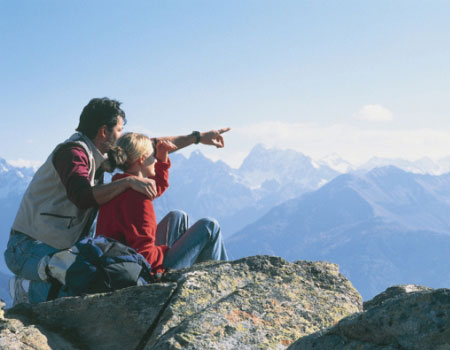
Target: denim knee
(212,225)
(176,213)
(13,258)
(23,254)
(10,261)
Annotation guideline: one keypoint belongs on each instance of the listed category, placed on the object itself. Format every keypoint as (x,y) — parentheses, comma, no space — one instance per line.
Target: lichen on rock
(403,317)
(259,302)
(20,334)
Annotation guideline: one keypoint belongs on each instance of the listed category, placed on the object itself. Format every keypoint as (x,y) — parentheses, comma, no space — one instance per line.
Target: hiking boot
(18,289)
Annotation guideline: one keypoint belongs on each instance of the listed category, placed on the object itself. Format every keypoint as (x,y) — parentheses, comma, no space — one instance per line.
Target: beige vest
(45,213)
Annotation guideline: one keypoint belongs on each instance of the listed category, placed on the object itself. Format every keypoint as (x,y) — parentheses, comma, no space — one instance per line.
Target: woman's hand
(163,147)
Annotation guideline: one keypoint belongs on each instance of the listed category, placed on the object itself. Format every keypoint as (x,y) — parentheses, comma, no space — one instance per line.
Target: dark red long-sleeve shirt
(72,164)
(130,218)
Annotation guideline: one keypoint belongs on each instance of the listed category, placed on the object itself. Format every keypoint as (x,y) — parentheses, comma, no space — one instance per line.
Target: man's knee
(14,258)
(11,261)
(23,255)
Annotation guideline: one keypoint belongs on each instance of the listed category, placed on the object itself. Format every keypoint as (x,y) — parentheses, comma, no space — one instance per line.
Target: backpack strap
(55,287)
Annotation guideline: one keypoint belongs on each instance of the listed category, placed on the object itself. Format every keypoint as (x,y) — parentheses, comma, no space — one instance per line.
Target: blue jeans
(22,256)
(202,241)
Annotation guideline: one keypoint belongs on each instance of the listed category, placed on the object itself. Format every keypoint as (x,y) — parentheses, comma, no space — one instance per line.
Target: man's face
(113,135)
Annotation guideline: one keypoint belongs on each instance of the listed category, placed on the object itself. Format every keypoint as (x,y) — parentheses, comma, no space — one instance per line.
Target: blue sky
(357,78)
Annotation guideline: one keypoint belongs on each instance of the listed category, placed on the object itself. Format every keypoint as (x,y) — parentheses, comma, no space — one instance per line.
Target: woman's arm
(162,176)
(162,165)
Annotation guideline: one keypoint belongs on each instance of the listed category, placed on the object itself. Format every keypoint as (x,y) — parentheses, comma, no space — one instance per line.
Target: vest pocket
(65,217)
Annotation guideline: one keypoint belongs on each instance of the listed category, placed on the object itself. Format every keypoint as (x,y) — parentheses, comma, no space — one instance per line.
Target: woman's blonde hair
(129,148)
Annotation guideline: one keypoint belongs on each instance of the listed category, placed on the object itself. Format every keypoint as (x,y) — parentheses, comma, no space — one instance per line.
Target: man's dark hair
(99,112)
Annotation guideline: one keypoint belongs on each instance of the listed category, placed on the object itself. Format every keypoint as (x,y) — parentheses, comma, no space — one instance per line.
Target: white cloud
(354,144)
(374,113)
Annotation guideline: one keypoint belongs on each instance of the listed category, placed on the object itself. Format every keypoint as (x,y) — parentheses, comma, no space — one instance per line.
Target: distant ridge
(387,220)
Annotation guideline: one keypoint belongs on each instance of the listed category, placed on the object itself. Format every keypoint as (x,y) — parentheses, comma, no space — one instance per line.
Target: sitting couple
(62,200)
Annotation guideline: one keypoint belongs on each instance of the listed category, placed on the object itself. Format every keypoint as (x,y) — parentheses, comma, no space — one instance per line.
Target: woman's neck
(134,171)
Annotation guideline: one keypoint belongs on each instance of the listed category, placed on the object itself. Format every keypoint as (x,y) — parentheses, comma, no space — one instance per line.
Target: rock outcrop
(403,317)
(393,292)
(254,303)
(18,335)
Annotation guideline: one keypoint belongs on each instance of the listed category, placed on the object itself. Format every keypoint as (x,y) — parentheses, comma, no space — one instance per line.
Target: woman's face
(148,165)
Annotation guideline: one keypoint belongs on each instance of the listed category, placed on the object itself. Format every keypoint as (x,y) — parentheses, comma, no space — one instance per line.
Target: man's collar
(98,156)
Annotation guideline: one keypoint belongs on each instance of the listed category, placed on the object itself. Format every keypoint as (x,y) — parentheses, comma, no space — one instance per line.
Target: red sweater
(130,218)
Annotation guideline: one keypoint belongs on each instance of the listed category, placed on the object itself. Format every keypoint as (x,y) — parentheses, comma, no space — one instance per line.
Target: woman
(130,217)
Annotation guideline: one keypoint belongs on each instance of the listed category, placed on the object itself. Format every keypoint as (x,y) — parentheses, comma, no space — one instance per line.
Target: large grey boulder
(254,303)
(257,302)
(412,318)
(116,320)
(393,292)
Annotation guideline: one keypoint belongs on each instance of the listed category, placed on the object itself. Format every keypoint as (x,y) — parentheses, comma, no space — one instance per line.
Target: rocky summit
(257,302)
(402,318)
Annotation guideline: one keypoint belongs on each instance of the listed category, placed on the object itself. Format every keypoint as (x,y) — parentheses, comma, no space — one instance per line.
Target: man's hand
(105,192)
(213,137)
(144,185)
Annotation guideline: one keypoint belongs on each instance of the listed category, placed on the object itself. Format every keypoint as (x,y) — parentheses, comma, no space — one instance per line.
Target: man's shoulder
(70,150)
(69,155)
(75,144)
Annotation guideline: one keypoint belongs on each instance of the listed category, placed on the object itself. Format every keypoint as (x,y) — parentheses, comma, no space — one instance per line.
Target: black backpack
(96,265)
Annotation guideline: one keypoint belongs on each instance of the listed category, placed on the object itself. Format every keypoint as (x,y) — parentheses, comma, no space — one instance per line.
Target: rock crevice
(148,334)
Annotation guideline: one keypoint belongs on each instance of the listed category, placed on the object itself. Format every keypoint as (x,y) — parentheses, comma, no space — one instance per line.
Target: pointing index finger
(221,131)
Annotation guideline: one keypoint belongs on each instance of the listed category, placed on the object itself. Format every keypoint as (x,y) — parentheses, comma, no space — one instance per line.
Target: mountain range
(284,203)
(382,227)
(424,165)
(236,197)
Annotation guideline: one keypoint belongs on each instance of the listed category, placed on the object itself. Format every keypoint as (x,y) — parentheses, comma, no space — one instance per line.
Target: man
(61,202)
